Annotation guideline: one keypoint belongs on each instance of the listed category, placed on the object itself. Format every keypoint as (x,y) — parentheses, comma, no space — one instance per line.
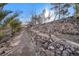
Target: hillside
(60,37)
(67,28)
(57,38)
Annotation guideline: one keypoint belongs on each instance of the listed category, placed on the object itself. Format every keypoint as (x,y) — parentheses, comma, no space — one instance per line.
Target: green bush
(15,25)
(2,34)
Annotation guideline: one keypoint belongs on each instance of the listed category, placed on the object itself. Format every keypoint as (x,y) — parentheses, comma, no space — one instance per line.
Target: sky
(28,9)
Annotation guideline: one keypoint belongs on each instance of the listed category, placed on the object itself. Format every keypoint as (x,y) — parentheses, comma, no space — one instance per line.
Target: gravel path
(53,36)
(47,45)
(23,45)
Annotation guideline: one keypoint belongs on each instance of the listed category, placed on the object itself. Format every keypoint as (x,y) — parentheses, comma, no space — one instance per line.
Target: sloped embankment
(46,45)
(69,25)
(66,28)
(65,43)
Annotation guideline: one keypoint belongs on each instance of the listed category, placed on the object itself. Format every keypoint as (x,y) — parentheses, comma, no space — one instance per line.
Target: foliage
(8,21)
(56,8)
(15,25)
(2,34)
(38,19)
(76,8)
(60,9)
(64,9)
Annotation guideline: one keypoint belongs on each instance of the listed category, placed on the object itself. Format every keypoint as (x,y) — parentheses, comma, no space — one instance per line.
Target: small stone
(48,52)
(72,48)
(61,48)
(41,41)
(51,44)
(67,46)
(77,52)
(50,40)
(2,50)
(41,49)
(42,53)
(51,48)
(65,53)
(52,53)
(69,50)
(1,46)
(58,51)
(57,45)
(38,44)
(45,46)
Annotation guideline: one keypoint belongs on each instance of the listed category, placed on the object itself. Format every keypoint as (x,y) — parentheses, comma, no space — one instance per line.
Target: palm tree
(13,22)
(8,21)
(3,13)
(15,25)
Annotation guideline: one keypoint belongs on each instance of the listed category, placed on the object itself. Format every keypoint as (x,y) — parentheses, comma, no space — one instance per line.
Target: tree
(10,18)
(64,9)
(34,19)
(2,5)
(37,19)
(56,8)
(60,9)
(3,13)
(76,8)
(15,25)
(9,21)
(13,22)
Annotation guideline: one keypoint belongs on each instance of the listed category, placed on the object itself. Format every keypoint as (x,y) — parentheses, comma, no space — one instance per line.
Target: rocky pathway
(22,45)
(56,38)
(54,46)
(35,43)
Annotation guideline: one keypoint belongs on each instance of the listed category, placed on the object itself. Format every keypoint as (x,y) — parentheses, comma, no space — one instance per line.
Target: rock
(61,48)
(69,50)
(49,53)
(52,44)
(41,49)
(42,41)
(51,40)
(38,50)
(77,52)
(65,53)
(58,52)
(67,46)
(2,50)
(57,45)
(38,44)
(52,54)
(42,53)
(51,48)
(45,46)
(72,48)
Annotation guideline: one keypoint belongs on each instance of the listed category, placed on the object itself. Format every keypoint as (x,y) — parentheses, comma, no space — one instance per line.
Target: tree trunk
(59,10)
(55,17)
